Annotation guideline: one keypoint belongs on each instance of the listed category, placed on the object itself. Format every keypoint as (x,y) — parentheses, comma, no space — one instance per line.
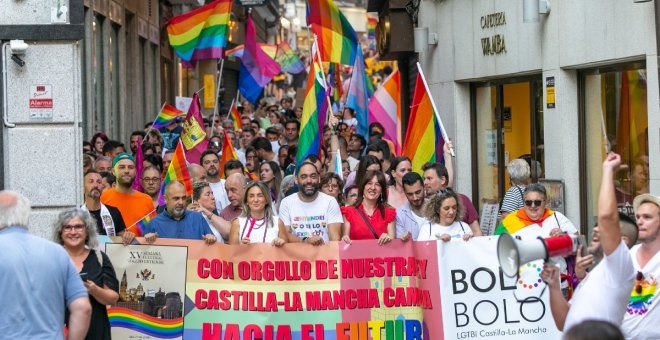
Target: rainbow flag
(336,37)
(288,60)
(257,68)
(385,108)
(371,31)
(423,134)
(517,220)
(235,117)
(359,94)
(178,171)
(143,323)
(140,226)
(315,106)
(200,34)
(237,51)
(166,116)
(335,86)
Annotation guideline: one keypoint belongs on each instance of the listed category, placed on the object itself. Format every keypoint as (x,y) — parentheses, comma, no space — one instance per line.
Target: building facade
(560,88)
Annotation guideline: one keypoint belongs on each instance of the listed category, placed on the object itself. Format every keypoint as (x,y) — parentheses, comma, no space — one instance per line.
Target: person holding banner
(108,218)
(603,295)
(410,217)
(203,202)
(75,230)
(257,223)
(370,217)
(444,212)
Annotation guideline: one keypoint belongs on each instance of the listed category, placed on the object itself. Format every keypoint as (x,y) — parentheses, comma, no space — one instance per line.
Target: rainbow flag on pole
(139,226)
(385,108)
(314,107)
(178,171)
(237,51)
(288,60)
(166,116)
(257,68)
(423,136)
(337,41)
(235,116)
(200,34)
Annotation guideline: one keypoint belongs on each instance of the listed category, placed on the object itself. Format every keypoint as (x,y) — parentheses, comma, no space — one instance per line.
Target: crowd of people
(266,196)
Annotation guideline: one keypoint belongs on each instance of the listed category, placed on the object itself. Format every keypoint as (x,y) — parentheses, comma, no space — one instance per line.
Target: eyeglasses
(639,281)
(151,179)
(536,203)
(76,227)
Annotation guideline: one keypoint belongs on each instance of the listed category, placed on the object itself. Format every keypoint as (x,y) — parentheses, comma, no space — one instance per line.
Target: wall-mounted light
(532,9)
(17,48)
(423,38)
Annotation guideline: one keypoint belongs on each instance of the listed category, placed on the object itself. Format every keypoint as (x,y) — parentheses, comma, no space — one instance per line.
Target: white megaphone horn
(513,252)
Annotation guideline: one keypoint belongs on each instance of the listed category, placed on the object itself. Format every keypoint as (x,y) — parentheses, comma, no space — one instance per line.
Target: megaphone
(512,252)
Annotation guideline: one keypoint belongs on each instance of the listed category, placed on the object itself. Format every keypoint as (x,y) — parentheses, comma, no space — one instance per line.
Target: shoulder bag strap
(367,222)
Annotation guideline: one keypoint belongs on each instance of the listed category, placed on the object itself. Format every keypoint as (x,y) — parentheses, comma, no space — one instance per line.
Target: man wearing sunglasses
(643,315)
(603,295)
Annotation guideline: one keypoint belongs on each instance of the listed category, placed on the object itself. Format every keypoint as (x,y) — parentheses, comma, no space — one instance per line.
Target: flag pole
(435,109)
(152,124)
(327,119)
(608,147)
(217,94)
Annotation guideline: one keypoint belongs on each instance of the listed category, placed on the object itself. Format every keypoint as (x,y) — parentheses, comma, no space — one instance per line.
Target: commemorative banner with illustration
(413,290)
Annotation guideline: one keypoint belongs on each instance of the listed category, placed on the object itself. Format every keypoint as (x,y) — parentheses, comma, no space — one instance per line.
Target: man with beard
(167,159)
(135,135)
(251,159)
(176,221)
(108,218)
(211,163)
(410,216)
(132,204)
(309,215)
(151,183)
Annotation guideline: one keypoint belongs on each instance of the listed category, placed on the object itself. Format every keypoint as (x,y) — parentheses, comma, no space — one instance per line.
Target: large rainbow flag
(166,116)
(200,34)
(385,108)
(288,59)
(257,68)
(423,137)
(237,51)
(314,107)
(139,226)
(359,93)
(178,171)
(336,37)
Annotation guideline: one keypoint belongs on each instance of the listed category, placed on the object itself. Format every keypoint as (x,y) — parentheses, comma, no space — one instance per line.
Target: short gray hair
(536,187)
(518,171)
(14,209)
(90,226)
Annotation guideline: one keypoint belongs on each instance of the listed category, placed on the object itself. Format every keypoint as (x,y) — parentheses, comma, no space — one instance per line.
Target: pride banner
(357,291)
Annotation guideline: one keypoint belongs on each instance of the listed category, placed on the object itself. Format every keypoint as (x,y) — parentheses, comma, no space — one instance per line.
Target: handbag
(367,222)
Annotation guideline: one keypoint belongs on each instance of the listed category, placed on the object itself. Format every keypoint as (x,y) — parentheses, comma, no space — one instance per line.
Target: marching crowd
(265,196)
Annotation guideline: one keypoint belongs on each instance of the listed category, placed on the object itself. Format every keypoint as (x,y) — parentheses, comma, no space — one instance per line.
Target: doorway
(509,125)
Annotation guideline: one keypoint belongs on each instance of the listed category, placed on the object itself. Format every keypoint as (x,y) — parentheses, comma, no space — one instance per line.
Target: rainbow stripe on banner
(139,226)
(200,34)
(166,116)
(149,325)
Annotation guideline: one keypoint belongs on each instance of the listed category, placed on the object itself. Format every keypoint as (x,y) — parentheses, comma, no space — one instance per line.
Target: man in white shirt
(309,215)
(603,294)
(410,216)
(643,315)
(211,163)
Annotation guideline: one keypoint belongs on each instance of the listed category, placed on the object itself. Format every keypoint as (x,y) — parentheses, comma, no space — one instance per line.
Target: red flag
(194,137)
(139,159)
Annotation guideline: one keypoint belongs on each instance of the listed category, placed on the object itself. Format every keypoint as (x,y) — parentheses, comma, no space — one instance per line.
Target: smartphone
(84,276)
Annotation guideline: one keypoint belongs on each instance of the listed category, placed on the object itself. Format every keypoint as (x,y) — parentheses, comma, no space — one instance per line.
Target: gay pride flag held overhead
(257,68)
(288,59)
(385,108)
(200,34)
(423,136)
(178,171)
(337,41)
(314,108)
(237,51)
(166,116)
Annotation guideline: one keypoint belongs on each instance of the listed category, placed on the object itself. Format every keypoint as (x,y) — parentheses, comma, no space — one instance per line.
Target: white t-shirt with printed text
(604,293)
(308,219)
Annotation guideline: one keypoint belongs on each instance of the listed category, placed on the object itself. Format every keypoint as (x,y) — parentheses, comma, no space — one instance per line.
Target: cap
(121,156)
(643,198)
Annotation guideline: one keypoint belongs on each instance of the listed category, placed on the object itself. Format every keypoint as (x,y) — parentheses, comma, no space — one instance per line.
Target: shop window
(616,117)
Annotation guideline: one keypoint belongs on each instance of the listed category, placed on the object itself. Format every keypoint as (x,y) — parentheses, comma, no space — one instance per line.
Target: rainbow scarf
(200,34)
(518,220)
(337,40)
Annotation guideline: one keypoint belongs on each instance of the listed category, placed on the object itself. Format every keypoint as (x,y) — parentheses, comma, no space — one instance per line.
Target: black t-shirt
(99,325)
(116,219)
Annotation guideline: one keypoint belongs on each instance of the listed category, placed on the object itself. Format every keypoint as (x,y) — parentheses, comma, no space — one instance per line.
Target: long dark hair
(277,180)
(393,164)
(364,164)
(382,200)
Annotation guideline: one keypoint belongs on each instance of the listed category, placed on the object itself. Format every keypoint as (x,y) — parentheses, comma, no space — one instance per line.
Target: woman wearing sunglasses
(535,220)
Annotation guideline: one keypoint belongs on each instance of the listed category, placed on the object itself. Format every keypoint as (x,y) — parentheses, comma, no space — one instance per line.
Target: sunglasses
(536,203)
(639,280)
